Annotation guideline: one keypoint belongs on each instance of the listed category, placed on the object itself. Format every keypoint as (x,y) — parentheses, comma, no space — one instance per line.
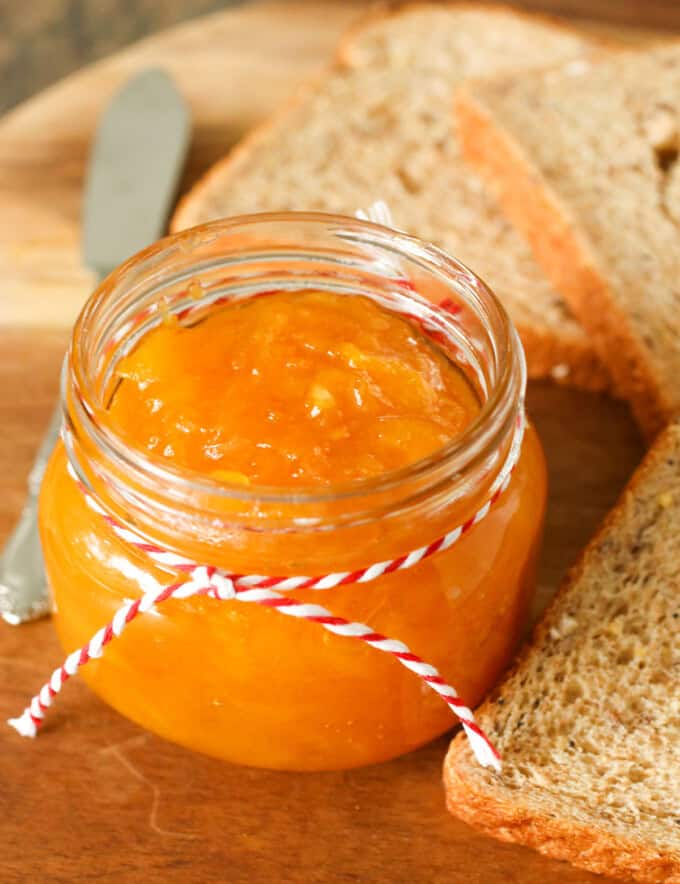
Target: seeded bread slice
(588,723)
(584,162)
(379,126)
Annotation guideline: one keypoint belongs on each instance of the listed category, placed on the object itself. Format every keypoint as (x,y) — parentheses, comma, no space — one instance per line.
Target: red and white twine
(206,580)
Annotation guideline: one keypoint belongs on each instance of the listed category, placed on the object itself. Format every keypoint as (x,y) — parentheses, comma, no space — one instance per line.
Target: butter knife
(135,165)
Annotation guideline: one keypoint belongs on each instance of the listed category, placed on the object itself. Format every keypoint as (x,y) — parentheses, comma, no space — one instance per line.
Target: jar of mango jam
(293,394)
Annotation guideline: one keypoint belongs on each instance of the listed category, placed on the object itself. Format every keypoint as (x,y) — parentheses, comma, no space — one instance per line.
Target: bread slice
(378,126)
(585,163)
(588,722)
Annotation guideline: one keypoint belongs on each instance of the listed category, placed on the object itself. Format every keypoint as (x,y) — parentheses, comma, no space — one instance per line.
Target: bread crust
(564,254)
(570,362)
(473,798)
(584,846)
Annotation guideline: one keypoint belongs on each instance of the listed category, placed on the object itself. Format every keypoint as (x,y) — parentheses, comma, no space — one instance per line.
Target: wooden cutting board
(96,797)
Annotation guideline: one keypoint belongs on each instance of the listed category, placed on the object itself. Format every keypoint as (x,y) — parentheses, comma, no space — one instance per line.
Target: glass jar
(241,682)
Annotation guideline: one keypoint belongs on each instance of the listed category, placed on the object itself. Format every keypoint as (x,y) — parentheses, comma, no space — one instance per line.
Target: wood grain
(96,798)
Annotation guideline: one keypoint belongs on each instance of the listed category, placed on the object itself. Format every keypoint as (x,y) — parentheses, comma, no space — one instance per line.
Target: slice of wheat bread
(379,126)
(588,722)
(584,161)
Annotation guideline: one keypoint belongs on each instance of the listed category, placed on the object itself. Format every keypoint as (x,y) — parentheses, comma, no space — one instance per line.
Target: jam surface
(296,388)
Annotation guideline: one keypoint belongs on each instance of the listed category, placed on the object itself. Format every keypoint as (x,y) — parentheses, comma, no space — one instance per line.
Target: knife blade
(135,165)
(137,158)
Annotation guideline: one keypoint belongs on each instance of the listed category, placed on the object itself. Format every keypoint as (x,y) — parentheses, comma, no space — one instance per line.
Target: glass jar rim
(495,417)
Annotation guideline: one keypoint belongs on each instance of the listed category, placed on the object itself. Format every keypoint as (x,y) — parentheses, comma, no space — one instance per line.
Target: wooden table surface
(96,798)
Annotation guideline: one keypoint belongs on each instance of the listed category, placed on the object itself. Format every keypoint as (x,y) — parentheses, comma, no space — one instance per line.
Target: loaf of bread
(584,162)
(588,723)
(379,126)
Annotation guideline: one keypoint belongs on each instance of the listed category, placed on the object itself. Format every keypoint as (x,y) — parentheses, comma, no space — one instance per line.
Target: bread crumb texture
(604,140)
(380,126)
(588,724)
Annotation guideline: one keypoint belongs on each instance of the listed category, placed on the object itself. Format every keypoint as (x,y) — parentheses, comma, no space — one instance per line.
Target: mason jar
(239,681)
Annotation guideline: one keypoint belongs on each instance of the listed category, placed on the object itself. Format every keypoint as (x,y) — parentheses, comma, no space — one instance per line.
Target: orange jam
(297,391)
(302,388)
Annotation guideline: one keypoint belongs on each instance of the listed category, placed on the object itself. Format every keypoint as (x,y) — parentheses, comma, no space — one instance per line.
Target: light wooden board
(96,797)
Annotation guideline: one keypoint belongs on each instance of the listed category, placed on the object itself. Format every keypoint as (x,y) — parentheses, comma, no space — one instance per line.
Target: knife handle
(23,588)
